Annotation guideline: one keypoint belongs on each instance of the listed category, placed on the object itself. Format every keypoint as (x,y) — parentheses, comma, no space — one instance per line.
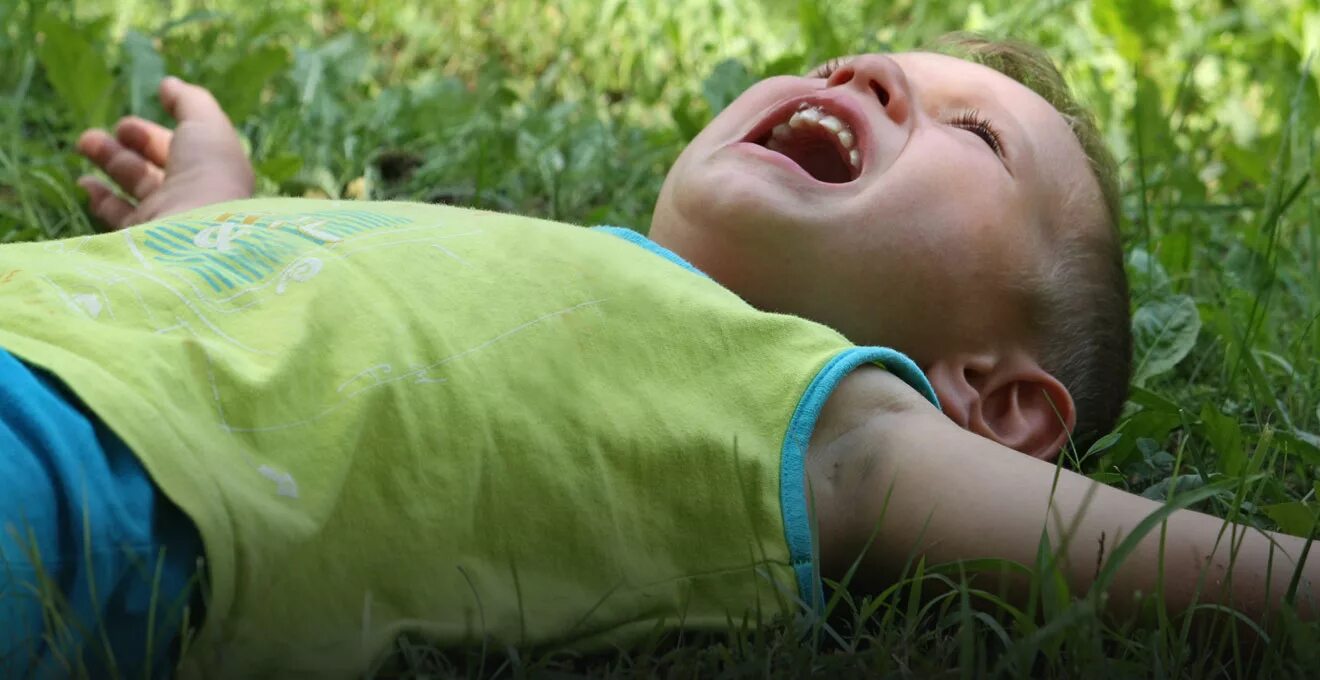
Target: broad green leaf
(143,70)
(1250,164)
(1296,517)
(1163,332)
(1106,477)
(76,70)
(1155,457)
(729,79)
(1149,424)
(281,168)
(1153,401)
(1170,486)
(787,64)
(1303,444)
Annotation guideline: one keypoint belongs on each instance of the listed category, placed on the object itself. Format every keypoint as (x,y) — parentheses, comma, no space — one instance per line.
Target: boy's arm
(885,455)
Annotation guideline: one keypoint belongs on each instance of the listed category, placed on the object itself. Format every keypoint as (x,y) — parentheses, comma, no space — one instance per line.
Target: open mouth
(819,142)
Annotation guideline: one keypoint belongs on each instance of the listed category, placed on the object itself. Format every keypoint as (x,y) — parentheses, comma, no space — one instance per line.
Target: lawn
(573,110)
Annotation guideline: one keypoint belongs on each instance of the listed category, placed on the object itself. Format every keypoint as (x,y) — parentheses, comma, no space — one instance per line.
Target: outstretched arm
(886,458)
(162,172)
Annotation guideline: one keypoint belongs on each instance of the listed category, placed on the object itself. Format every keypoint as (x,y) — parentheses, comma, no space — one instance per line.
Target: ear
(1008,398)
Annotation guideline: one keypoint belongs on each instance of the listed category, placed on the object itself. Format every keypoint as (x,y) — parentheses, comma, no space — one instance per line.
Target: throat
(818,157)
(816,150)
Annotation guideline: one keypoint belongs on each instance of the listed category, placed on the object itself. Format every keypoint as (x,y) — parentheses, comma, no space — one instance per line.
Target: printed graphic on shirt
(228,258)
(224,264)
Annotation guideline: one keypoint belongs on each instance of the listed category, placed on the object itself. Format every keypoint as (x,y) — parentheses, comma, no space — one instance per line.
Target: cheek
(953,253)
(919,243)
(939,200)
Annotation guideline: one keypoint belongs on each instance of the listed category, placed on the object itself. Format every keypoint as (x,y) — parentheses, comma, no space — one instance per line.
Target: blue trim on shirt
(792,476)
(640,240)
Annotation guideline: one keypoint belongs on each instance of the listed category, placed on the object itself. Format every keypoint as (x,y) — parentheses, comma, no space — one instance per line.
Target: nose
(879,76)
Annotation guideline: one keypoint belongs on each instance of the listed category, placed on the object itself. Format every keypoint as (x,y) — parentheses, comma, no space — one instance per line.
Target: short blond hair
(1080,304)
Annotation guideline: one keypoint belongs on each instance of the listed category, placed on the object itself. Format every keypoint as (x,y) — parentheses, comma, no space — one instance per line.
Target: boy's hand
(165,172)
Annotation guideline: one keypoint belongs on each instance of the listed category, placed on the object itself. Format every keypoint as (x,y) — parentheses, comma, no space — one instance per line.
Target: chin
(728,199)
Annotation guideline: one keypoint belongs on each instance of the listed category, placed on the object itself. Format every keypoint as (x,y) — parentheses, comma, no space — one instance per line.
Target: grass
(574,110)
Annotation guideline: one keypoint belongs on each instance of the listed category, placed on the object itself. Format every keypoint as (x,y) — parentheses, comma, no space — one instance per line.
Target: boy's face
(921,238)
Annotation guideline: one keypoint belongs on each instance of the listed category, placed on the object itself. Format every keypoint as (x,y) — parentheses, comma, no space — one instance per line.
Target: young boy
(378,418)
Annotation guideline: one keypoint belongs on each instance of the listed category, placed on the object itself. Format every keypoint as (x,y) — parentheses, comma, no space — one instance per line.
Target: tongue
(816,153)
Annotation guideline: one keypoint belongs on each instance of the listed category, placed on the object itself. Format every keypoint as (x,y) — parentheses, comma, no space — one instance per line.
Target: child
(378,418)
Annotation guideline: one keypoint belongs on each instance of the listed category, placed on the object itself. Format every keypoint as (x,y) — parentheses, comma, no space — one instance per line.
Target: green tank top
(394,417)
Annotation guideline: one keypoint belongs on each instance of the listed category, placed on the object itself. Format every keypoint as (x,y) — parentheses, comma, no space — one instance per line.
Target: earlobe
(1008,398)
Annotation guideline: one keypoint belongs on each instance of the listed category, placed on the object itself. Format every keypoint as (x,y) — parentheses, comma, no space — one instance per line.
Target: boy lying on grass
(372,418)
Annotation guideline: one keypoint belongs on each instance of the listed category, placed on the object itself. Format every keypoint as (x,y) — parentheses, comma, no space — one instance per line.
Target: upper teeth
(806,116)
(816,117)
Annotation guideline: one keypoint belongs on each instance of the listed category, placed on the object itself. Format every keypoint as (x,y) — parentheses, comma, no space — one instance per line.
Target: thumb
(187,102)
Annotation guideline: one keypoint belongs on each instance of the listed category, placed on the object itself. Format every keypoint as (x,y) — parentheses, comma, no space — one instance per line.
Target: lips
(824,137)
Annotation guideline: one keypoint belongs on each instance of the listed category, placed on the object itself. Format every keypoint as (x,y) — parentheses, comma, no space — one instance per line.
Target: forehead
(1049,152)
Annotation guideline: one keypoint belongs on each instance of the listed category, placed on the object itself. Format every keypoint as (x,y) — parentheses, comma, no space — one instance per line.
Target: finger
(188,102)
(90,143)
(104,203)
(149,139)
(133,173)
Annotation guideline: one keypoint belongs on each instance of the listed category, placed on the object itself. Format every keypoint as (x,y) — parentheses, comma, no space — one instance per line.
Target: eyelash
(828,68)
(972,120)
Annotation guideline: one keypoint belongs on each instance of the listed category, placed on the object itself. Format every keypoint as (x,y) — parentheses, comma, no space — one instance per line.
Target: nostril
(880,93)
(840,75)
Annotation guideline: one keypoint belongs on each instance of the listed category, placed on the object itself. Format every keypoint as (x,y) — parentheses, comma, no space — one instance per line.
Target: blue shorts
(96,565)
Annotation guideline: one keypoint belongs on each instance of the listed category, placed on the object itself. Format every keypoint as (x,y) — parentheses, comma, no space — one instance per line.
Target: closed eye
(972,121)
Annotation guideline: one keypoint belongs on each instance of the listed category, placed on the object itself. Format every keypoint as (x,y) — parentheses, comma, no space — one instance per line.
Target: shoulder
(867,395)
(865,417)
